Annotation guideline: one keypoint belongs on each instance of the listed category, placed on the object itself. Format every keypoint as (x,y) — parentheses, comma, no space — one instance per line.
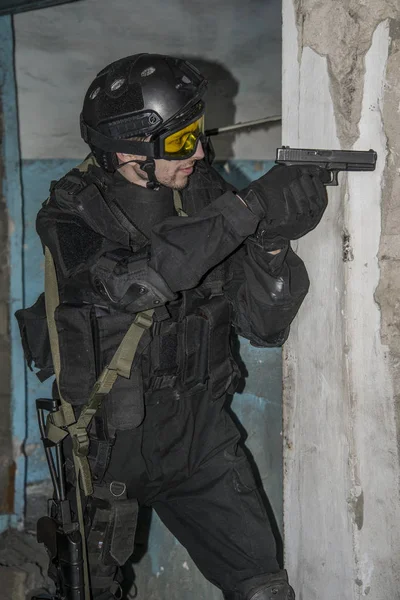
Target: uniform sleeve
(266,292)
(180,252)
(185,249)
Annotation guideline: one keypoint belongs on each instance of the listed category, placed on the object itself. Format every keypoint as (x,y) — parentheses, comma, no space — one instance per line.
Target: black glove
(289,200)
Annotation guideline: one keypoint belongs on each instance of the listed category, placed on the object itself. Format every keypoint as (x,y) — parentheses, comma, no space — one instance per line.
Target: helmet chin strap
(149,167)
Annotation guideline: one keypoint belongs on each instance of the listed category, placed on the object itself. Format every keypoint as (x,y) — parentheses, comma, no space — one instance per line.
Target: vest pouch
(164,349)
(196,348)
(35,338)
(77,356)
(112,534)
(221,365)
(124,407)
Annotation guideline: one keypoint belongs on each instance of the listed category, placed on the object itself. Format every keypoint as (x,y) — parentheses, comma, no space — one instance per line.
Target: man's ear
(124,158)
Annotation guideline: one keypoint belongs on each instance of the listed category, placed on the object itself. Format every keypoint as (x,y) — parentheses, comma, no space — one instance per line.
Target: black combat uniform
(164,434)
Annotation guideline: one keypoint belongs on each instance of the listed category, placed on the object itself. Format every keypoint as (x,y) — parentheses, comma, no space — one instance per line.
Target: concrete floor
(23,566)
(23,561)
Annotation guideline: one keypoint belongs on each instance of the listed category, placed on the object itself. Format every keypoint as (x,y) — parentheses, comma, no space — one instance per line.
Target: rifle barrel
(244,125)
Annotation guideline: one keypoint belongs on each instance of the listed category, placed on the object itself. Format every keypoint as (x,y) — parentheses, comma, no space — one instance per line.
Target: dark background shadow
(220,106)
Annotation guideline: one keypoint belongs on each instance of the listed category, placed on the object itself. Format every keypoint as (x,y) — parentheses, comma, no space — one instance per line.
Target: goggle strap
(99,140)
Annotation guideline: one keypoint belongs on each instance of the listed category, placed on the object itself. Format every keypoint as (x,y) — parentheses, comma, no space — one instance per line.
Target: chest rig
(184,345)
(190,350)
(187,347)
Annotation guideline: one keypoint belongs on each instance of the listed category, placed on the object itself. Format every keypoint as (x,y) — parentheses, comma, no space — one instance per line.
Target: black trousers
(186,462)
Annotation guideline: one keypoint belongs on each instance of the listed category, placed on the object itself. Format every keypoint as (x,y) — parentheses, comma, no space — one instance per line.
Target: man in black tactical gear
(146,224)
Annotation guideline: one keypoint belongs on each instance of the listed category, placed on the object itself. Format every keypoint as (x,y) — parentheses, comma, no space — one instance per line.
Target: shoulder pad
(72,183)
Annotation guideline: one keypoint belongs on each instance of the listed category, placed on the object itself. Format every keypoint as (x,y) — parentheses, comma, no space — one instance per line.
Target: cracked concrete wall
(342,509)
(388,292)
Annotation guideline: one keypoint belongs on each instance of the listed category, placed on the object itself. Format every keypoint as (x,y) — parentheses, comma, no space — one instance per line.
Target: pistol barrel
(335,160)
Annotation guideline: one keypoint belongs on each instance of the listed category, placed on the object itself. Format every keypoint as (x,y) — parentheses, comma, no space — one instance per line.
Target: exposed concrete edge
(388,291)
(342,32)
(374,456)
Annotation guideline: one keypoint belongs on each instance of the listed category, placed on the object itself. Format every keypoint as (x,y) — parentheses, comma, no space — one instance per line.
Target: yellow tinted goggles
(183,143)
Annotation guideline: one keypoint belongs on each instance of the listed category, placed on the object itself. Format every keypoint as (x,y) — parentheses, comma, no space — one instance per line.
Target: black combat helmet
(137,97)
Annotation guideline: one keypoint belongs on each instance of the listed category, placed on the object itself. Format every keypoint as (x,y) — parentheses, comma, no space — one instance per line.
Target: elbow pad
(132,286)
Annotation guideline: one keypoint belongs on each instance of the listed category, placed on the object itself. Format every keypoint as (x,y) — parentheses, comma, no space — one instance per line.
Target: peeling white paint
(17,448)
(30,448)
(318,543)
(160,572)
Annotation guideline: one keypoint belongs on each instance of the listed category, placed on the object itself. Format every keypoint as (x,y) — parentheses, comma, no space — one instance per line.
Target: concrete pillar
(341,385)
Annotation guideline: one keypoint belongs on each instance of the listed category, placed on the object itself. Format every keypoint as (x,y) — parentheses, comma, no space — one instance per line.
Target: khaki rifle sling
(178,204)
(62,422)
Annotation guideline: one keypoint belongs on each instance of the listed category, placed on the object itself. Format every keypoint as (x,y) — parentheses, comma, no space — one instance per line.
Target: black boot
(269,586)
(277,588)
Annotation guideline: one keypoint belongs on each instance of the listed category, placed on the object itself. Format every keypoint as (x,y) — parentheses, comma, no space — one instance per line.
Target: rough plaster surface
(374,453)
(342,32)
(318,545)
(341,502)
(60,49)
(388,292)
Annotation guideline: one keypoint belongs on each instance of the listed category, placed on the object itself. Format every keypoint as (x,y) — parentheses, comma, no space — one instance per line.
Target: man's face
(175,173)
(171,173)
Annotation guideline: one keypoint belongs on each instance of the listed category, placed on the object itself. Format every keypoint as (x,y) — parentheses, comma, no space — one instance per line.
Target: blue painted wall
(36,178)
